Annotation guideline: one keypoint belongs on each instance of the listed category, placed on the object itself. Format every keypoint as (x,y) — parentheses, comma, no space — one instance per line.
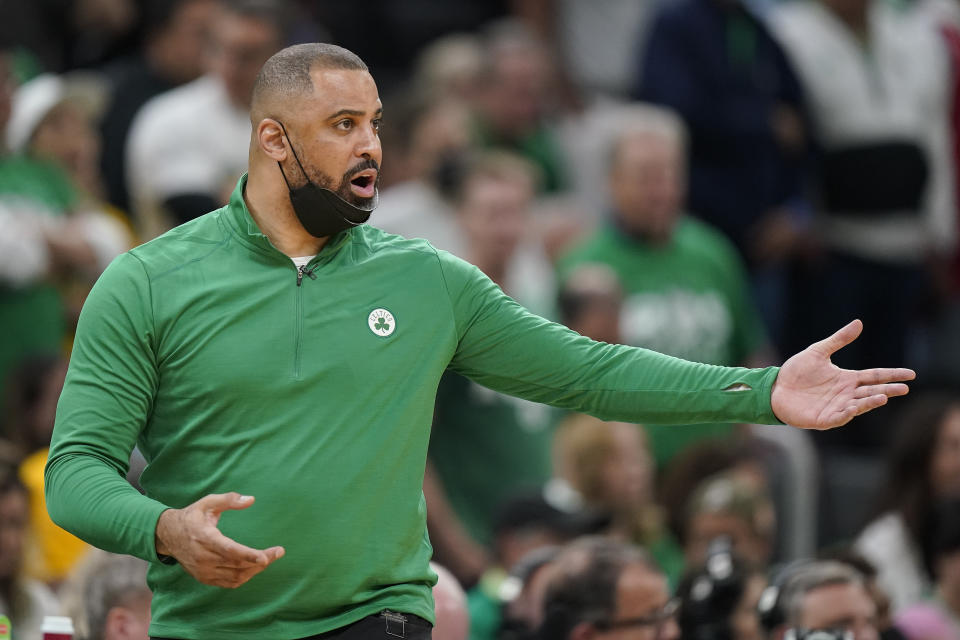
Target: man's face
(841,606)
(185,38)
(494,214)
(335,133)
(516,92)
(646,184)
(239,47)
(641,595)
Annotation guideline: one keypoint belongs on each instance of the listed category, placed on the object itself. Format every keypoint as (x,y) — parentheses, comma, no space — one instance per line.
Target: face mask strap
(295,157)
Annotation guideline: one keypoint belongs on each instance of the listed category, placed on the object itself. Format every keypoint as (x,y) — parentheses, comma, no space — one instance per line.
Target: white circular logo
(381,322)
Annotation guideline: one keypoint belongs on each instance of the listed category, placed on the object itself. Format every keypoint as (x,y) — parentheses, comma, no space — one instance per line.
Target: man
(109,598)
(175,33)
(686,290)
(311,387)
(716,64)
(826,595)
(186,147)
(729,506)
(601,588)
(485,446)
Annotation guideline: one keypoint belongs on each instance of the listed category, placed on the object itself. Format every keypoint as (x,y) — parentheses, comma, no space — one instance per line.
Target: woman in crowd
(924,468)
(609,467)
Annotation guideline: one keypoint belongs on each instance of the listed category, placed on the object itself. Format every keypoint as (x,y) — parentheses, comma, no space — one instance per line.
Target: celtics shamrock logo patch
(381,322)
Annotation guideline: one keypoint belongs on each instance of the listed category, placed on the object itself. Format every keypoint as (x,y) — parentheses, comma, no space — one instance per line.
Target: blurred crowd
(722,180)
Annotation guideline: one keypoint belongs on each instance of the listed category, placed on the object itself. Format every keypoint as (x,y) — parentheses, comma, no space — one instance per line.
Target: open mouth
(364,184)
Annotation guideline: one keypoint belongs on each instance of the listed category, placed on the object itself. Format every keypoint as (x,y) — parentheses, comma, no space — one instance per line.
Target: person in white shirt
(187,147)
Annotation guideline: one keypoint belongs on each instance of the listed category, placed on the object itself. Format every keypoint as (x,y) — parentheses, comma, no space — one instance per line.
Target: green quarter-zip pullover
(314,392)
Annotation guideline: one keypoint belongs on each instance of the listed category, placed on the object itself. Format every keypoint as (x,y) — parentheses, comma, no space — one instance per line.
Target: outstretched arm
(813,393)
(504,347)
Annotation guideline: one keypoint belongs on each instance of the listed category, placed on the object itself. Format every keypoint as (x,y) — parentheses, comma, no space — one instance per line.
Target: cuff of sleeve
(764,398)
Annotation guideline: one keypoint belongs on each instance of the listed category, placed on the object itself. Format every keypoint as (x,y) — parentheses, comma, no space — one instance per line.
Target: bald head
(286,74)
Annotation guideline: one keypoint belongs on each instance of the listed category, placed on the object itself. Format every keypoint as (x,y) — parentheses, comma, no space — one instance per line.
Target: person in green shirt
(686,290)
(311,387)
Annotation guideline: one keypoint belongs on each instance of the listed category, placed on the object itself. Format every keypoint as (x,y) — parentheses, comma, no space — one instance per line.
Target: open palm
(813,393)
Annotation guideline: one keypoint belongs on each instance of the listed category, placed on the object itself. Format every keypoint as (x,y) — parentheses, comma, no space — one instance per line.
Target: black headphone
(770,607)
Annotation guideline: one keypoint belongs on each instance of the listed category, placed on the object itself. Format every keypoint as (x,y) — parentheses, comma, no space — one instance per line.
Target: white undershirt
(302,261)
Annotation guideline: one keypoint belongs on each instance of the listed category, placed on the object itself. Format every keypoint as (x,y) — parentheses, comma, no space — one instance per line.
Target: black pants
(382,626)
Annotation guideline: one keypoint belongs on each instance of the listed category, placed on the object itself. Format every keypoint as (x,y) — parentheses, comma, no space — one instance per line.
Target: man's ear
(270,138)
(117,625)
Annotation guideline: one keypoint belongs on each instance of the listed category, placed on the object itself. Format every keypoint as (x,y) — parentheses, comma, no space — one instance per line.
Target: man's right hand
(191,536)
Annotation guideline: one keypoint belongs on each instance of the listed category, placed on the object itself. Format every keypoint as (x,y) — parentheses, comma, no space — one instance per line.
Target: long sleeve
(506,348)
(106,399)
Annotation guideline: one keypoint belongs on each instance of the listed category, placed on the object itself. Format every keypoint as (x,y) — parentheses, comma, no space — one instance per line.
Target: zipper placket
(302,270)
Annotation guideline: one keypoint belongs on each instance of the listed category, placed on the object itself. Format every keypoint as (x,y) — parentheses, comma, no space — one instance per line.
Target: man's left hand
(813,393)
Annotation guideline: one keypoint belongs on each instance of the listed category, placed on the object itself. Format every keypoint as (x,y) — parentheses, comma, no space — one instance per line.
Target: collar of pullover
(240,221)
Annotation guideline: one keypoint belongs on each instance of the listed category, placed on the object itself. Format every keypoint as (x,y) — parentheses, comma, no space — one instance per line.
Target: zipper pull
(302,270)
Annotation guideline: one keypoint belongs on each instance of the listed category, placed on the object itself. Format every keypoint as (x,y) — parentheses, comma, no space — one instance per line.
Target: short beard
(343,190)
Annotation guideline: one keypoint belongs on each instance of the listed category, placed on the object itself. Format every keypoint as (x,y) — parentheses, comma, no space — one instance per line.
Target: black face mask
(321,211)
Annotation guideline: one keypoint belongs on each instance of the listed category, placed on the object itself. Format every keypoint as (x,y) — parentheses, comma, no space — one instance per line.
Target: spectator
(719,598)
(590,302)
(522,594)
(108,598)
(527,527)
(485,445)
(513,100)
(51,241)
(599,67)
(924,468)
(426,138)
(188,146)
(34,391)
(729,506)
(610,468)
(449,67)
(599,586)
(175,32)
(716,63)
(826,595)
(938,616)
(450,607)
(686,292)
(885,625)
(885,197)
(700,462)
(23,600)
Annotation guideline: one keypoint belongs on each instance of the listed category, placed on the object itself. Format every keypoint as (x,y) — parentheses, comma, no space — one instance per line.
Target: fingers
(217,503)
(840,339)
(869,403)
(888,390)
(230,577)
(880,376)
(233,554)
